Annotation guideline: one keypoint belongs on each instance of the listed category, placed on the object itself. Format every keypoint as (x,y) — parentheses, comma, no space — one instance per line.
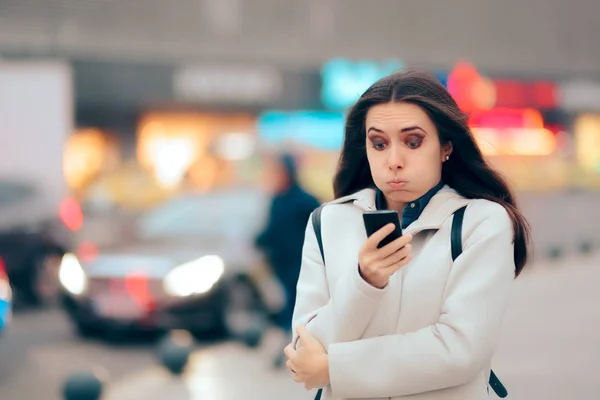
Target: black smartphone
(375,220)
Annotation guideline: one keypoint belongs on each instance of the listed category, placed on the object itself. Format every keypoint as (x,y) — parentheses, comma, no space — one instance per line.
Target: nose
(396,158)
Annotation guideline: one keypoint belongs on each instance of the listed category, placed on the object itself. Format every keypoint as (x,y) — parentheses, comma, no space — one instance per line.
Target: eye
(414,142)
(378,145)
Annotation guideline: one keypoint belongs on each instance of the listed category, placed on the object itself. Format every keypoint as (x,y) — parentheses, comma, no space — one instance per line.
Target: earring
(447,158)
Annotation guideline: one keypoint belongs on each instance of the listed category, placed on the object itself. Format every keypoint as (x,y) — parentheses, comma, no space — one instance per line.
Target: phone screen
(375,220)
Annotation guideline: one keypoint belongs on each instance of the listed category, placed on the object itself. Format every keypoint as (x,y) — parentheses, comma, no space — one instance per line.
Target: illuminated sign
(227,83)
(473,92)
(344,81)
(500,118)
(322,130)
(517,94)
(470,90)
(587,139)
(507,131)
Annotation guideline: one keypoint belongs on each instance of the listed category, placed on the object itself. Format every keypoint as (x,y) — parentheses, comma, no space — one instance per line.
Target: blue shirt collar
(412,210)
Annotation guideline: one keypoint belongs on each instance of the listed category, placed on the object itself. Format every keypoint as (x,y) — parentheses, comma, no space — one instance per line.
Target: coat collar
(441,206)
(411,211)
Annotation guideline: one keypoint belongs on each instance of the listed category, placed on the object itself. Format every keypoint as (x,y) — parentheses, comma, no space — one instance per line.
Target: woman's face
(404,151)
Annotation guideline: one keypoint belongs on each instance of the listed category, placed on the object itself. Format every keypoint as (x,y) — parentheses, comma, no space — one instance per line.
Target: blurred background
(140,142)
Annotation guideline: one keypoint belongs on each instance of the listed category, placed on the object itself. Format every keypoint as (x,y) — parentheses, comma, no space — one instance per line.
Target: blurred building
(191,92)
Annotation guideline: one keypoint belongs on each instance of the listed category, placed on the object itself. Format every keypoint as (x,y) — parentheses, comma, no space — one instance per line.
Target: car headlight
(195,277)
(71,275)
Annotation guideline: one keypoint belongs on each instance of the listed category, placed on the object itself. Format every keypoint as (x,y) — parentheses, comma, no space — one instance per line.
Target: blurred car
(32,242)
(185,265)
(5,299)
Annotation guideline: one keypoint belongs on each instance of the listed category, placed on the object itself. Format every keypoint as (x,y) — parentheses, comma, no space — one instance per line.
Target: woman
(405,319)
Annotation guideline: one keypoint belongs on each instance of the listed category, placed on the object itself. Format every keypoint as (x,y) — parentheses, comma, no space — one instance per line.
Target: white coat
(431,333)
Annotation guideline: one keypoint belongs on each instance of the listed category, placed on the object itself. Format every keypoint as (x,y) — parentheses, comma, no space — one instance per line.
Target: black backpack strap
(316,222)
(456,248)
(498,387)
(456,233)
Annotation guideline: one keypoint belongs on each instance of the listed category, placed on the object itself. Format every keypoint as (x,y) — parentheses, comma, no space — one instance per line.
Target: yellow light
(522,142)
(532,142)
(488,140)
(533,118)
(170,144)
(86,153)
(587,142)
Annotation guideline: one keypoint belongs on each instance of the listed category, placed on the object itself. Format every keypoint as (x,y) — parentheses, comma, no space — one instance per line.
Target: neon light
(71,214)
(344,81)
(501,118)
(470,90)
(323,130)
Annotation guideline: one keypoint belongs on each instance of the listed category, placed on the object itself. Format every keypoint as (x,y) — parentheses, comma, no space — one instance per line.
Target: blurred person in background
(282,238)
(414,318)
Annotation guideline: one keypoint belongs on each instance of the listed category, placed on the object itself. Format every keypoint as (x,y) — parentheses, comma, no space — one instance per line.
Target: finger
(289,351)
(373,240)
(306,337)
(398,256)
(290,366)
(395,267)
(394,246)
(300,340)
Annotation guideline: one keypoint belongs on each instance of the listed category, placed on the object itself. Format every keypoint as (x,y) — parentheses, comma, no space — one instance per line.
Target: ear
(446,151)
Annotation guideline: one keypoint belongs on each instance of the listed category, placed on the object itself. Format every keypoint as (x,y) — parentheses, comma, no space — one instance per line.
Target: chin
(401,195)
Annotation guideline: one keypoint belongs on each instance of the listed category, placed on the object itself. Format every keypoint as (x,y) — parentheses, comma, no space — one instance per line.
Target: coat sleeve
(332,313)
(459,346)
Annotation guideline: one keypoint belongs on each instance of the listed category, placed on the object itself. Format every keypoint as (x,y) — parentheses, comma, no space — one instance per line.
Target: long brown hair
(466,171)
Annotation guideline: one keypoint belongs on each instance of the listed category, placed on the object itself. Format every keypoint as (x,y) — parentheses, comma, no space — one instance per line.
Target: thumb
(305,336)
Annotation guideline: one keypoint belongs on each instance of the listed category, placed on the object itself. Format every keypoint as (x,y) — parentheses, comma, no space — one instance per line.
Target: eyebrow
(407,129)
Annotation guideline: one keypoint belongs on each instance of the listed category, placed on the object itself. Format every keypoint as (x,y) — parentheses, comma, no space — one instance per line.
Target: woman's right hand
(377,265)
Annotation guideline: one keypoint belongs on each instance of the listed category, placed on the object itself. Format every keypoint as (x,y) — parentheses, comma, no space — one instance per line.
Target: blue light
(4,313)
(344,81)
(320,129)
(442,76)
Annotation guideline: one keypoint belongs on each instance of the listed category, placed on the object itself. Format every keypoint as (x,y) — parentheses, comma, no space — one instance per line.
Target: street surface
(550,350)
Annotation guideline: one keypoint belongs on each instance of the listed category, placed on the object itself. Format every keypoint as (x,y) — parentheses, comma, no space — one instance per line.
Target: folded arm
(455,349)
(337,313)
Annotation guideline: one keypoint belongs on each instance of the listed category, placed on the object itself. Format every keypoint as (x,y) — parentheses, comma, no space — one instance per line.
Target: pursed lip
(397,183)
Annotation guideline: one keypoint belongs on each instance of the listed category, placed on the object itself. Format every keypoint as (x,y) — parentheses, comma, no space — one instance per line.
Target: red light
(71,214)
(87,251)
(470,90)
(502,118)
(3,273)
(511,94)
(544,94)
(137,286)
(517,94)
(555,128)
(460,81)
